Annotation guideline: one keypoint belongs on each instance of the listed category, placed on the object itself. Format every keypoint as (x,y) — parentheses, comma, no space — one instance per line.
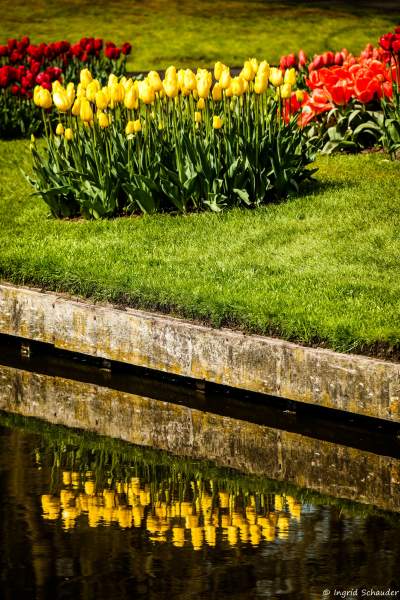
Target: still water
(83,516)
(117,485)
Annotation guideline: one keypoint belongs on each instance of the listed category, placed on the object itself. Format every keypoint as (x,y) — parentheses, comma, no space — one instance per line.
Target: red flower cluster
(24,65)
(391,42)
(292,61)
(21,80)
(328,59)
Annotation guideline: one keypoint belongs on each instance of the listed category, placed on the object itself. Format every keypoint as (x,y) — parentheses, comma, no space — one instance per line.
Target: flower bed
(24,65)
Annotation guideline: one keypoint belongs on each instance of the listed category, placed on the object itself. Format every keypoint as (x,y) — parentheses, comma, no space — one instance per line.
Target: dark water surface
(85,520)
(117,487)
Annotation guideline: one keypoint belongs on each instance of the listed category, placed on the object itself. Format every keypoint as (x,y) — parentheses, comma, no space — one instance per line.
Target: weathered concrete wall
(342,381)
(328,468)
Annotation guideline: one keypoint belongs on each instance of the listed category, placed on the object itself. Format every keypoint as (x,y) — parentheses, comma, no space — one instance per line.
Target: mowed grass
(198,33)
(322,268)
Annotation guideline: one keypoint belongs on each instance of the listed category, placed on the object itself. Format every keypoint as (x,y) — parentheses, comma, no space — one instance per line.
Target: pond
(252,511)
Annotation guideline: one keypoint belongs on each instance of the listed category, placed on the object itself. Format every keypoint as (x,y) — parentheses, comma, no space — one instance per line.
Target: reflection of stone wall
(322,466)
(346,382)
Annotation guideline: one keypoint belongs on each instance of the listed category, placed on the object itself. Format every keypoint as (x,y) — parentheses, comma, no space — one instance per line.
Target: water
(206,506)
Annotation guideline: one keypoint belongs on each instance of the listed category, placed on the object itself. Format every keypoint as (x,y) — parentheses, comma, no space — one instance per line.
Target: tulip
(225,79)
(45,100)
(203,87)
(92,89)
(130,100)
(217,122)
(70,92)
(263,69)
(201,104)
(117,93)
(190,80)
(155,81)
(112,79)
(170,86)
(300,95)
(137,126)
(86,113)
(60,129)
(170,72)
(261,84)
(217,92)
(85,77)
(218,68)
(103,120)
(76,109)
(101,100)
(238,86)
(276,77)
(69,134)
(197,116)
(285,90)
(146,92)
(247,72)
(61,101)
(290,76)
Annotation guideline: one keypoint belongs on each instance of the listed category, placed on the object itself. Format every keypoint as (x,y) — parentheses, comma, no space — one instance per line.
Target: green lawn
(198,33)
(322,268)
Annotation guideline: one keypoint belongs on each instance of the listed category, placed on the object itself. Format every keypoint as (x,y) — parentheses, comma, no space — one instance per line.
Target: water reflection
(87,518)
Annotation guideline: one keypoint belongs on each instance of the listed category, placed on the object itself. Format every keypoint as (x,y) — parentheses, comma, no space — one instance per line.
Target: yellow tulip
(101,100)
(285,90)
(103,120)
(238,86)
(197,116)
(170,72)
(130,100)
(137,126)
(190,80)
(127,83)
(76,109)
(45,100)
(225,79)
(112,79)
(276,77)
(217,122)
(203,87)
(92,89)
(263,68)
(261,83)
(170,86)
(254,64)
(85,77)
(217,92)
(69,134)
(70,91)
(61,100)
(300,95)
(155,81)
(86,113)
(248,72)
(130,128)
(201,104)
(290,76)
(80,91)
(218,68)
(117,93)
(36,95)
(146,92)
(60,129)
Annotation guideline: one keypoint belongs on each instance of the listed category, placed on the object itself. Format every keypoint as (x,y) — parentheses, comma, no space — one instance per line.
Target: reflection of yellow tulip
(89,485)
(210,535)
(255,535)
(232,535)
(197,537)
(178,537)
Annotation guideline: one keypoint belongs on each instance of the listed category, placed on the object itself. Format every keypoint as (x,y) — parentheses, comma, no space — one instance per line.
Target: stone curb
(348,382)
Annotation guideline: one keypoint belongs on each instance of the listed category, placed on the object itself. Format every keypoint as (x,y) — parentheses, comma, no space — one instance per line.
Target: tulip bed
(180,144)
(24,65)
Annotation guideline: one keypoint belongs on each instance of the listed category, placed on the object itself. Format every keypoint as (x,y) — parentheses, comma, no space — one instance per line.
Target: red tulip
(386,41)
(3,51)
(302,58)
